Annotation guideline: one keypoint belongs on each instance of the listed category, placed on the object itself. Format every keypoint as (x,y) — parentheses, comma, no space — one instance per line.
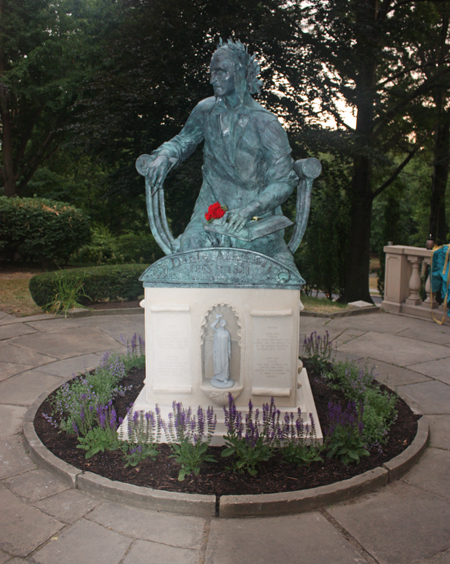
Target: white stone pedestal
(264,329)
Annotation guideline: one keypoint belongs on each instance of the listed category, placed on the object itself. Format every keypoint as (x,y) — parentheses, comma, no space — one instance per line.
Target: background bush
(107,248)
(41,230)
(112,282)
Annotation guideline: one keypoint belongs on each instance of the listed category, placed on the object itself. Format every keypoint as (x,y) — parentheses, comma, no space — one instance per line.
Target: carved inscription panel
(272,360)
(171,347)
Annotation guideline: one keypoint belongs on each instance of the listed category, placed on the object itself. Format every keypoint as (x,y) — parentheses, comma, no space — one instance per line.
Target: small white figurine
(221,354)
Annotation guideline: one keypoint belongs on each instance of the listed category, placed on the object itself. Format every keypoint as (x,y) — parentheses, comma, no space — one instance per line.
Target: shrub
(40,230)
(112,282)
(106,248)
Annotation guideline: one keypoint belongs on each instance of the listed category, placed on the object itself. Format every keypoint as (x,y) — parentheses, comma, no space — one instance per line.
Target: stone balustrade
(404,268)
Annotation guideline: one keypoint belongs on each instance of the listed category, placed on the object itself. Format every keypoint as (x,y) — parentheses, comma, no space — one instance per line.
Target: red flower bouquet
(215,211)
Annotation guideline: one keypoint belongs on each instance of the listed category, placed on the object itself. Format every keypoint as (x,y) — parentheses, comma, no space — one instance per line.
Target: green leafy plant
(190,437)
(41,230)
(100,283)
(67,296)
(252,447)
(345,434)
(144,433)
(75,403)
(318,350)
(97,440)
(359,385)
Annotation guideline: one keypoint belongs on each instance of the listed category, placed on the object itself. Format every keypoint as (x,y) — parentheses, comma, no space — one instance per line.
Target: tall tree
(43,60)
(364,50)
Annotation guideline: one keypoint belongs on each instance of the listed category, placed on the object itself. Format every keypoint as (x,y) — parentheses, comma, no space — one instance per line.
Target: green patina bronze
(247,168)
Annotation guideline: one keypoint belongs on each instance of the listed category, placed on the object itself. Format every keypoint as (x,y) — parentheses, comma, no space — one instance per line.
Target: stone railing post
(414,281)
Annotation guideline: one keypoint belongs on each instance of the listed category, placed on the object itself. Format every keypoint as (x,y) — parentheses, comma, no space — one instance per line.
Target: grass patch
(15,298)
(322,305)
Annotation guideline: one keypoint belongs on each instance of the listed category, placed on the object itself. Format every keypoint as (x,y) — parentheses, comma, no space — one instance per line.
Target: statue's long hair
(248,65)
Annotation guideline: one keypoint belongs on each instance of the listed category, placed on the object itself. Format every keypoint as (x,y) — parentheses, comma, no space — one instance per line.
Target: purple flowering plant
(359,385)
(103,436)
(144,434)
(75,404)
(344,436)
(318,349)
(189,437)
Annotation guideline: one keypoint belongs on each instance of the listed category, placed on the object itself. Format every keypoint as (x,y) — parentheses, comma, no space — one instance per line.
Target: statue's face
(223,75)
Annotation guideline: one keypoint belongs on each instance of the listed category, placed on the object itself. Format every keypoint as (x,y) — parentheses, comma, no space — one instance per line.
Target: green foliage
(77,403)
(301,454)
(40,230)
(190,457)
(106,248)
(358,385)
(347,444)
(100,283)
(97,440)
(144,433)
(247,455)
(188,440)
(318,350)
(321,257)
(67,296)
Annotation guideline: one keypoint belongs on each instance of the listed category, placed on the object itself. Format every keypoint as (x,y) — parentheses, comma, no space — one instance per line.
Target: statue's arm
(184,144)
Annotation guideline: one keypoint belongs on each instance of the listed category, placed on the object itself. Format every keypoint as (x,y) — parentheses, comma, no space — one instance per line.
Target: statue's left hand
(237,219)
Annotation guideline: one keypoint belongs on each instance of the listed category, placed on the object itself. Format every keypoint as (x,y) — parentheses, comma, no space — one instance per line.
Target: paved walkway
(43,521)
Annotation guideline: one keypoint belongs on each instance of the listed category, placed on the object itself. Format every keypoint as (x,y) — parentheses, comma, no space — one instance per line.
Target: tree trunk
(357,277)
(438,224)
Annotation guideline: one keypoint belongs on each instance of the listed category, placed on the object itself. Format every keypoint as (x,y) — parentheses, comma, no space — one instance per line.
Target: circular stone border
(259,505)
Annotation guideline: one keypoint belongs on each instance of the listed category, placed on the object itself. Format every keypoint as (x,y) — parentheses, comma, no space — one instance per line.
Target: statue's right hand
(157,170)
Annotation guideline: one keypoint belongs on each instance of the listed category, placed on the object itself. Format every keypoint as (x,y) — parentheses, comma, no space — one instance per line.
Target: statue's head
(234,70)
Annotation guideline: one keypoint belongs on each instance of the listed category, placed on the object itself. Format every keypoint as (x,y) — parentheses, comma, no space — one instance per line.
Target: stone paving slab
(144,552)
(13,458)
(399,525)
(35,485)
(433,397)
(23,528)
(394,376)
(10,331)
(433,473)
(17,355)
(24,388)
(5,557)
(439,431)
(72,342)
(54,324)
(441,558)
(174,530)
(68,506)
(11,419)
(394,349)
(428,332)
(83,543)
(10,319)
(75,365)
(299,538)
(375,322)
(437,369)
(8,369)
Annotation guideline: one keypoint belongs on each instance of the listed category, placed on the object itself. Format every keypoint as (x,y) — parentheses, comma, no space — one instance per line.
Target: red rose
(215,211)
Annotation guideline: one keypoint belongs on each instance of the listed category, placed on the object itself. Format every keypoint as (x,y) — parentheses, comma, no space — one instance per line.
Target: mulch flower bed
(273,476)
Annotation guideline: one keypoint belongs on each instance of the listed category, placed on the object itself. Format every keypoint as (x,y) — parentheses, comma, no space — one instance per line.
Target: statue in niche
(247,168)
(221,354)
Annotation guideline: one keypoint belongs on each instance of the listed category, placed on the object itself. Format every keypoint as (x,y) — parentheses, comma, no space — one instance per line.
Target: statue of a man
(247,158)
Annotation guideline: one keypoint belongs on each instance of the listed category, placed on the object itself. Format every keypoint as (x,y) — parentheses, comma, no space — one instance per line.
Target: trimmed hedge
(41,230)
(111,282)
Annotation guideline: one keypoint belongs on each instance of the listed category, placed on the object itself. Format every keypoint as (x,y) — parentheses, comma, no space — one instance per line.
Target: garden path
(43,521)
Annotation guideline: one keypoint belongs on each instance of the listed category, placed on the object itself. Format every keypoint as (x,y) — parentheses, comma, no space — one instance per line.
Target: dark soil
(273,476)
